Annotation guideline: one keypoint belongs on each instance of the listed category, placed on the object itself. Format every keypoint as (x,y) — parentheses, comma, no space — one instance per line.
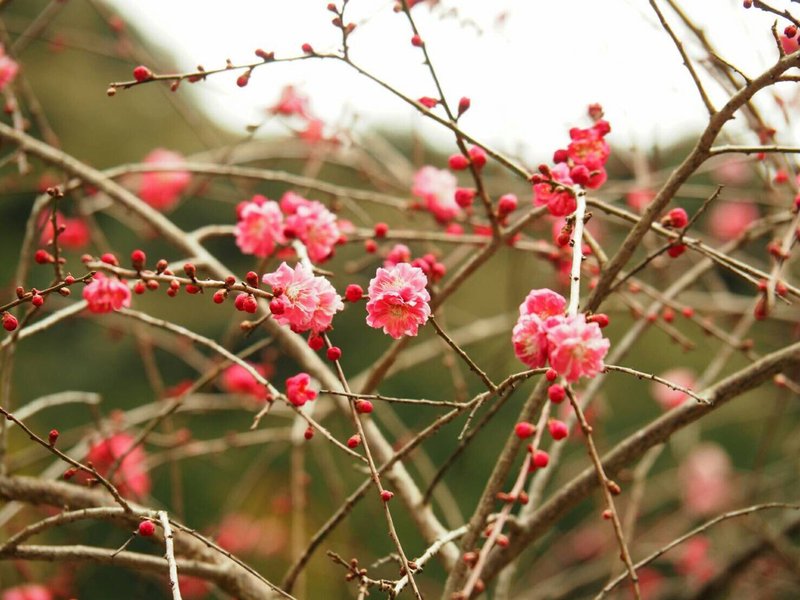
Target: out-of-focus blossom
(437,189)
(162,189)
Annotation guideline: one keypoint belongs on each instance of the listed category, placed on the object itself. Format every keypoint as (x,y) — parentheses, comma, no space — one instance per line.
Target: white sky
(529,77)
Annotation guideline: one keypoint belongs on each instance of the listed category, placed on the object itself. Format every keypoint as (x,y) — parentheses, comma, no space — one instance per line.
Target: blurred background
(530,71)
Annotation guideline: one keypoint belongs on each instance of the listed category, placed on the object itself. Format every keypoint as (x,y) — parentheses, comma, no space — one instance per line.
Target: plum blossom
(576,348)
(260,226)
(729,220)
(398,300)
(542,334)
(28,591)
(560,203)
(238,380)
(162,189)
(75,234)
(8,68)
(437,188)
(298,389)
(667,397)
(312,223)
(705,476)
(400,253)
(106,294)
(307,302)
(588,146)
(291,102)
(131,478)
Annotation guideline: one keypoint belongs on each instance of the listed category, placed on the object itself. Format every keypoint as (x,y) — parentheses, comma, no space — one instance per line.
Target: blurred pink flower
(400,253)
(728,220)
(437,188)
(8,68)
(667,397)
(131,478)
(74,236)
(259,226)
(308,302)
(28,591)
(193,588)
(162,189)
(291,102)
(106,294)
(705,476)
(732,171)
(694,560)
(237,380)
(639,198)
(398,300)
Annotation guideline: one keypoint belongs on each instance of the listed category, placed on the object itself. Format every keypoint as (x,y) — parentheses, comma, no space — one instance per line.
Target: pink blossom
(437,188)
(398,300)
(732,172)
(8,68)
(193,588)
(639,198)
(308,302)
(400,253)
(238,380)
(105,294)
(298,391)
(543,303)
(576,348)
(789,44)
(588,147)
(705,476)
(260,226)
(241,534)
(728,220)
(529,338)
(694,560)
(312,223)
(291,102)
(29,591)
(667,397)
(559,203)
(162,189)
(131,478)
(75,234)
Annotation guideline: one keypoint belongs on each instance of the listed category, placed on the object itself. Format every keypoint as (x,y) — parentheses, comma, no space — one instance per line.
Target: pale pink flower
(105,294)
(8,68)
(705,477)
(308,302)
(398,300)
(162,189)
(260,226)
(238,380)
(312,223)
(241,534)
(732,172)
(74,236)
(667,397)
(543,303)
(131,478)
(437,188)
(529,338)
(298,389)
(728,220)
(28,591)
(400,253)
(576,348)
(559,203)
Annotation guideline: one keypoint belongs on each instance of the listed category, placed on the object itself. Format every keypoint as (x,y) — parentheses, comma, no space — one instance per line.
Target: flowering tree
(442,419)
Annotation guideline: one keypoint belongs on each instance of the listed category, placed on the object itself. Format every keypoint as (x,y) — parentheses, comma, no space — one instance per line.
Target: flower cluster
(437,189)
(162,189)
(302,300)
(573,347)
(582,163)
(398,300)
(263,224)
(106,294)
